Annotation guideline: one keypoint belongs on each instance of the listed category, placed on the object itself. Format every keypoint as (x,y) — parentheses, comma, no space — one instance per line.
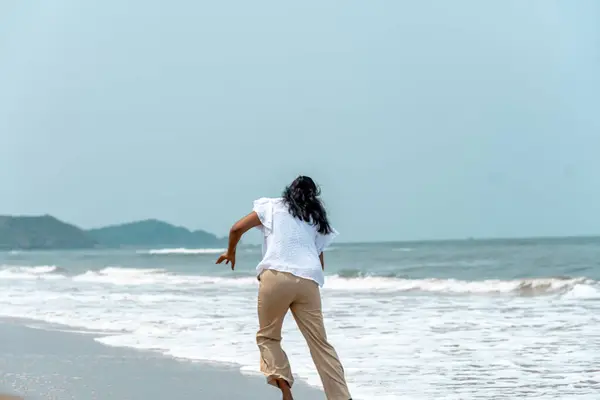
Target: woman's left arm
(235,234)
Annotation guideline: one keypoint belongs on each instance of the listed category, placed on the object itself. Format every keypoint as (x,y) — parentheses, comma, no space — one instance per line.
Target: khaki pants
(280,291)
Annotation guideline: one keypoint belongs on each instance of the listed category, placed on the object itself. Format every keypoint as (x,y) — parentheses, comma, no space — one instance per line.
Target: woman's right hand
(228,258)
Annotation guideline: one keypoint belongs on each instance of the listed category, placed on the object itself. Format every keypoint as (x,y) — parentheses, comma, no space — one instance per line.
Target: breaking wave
(156,276)
(180,251)
(522,287)
(30,272)
(346,281)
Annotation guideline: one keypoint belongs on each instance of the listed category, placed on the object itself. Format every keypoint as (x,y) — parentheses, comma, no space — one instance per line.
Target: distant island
(47,232)
(153,233)
(43,232)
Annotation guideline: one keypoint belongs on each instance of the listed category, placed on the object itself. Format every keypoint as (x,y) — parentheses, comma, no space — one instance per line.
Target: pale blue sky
(420,119)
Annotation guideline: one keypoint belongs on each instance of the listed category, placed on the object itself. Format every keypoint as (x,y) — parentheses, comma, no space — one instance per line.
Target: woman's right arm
(322,261)
(235,234)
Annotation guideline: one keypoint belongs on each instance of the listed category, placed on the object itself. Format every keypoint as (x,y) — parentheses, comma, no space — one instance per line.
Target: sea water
(431,320)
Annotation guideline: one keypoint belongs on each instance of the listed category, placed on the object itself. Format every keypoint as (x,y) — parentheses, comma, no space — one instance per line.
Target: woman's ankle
(285,388)
(282,384)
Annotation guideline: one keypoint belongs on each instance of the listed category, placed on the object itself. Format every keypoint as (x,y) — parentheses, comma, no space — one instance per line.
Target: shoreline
(44,364)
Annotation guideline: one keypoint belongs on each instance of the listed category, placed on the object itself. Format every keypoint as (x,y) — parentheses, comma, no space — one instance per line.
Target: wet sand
(50,365)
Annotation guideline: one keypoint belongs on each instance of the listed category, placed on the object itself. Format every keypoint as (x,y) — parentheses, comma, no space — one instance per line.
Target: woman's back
(290,244)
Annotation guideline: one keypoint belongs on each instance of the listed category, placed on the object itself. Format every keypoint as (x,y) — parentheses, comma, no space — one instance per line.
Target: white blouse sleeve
(264,209)
(323,241)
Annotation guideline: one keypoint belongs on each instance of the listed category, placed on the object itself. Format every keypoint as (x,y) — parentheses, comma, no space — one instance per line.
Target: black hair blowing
(302,200)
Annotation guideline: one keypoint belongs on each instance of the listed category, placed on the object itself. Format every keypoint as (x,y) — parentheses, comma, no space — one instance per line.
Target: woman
(296,231)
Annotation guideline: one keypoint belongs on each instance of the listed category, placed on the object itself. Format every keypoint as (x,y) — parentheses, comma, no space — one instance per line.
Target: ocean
(499,319)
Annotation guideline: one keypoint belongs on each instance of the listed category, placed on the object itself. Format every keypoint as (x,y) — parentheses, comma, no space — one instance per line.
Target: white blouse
(290,244)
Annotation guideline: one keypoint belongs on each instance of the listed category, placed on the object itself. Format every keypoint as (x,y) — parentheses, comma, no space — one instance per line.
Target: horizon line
(351,242)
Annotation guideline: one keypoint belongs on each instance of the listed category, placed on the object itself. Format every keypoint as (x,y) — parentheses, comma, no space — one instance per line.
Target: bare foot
(285,389)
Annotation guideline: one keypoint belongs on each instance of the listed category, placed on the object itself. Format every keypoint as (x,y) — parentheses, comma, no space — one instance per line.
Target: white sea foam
(394,342)
(157,276)
(181,251)
(534,286)
(123,276)
(526,287)
(584,292)
(29,272)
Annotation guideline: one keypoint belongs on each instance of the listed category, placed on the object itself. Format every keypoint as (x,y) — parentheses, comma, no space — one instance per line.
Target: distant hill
(153,233)
(47,232)
(41,232)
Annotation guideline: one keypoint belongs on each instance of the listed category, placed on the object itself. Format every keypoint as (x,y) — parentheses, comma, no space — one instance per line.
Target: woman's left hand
(228,258)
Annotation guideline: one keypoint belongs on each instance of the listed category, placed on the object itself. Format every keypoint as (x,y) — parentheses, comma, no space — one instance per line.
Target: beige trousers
(279,292)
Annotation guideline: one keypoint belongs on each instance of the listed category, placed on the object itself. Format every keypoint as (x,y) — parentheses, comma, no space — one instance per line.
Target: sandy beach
(42,365)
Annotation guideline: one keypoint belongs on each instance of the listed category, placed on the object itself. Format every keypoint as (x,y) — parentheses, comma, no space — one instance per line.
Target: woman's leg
(309,317)
(285,387)
(274,299)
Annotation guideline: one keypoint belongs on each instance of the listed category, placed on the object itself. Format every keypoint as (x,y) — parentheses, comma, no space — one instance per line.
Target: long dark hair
(302,200)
